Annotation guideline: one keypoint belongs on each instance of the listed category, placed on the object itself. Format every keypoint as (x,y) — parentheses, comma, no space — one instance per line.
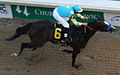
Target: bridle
(85,28)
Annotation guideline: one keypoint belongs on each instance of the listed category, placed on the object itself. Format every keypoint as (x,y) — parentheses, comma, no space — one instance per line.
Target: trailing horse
(42,31)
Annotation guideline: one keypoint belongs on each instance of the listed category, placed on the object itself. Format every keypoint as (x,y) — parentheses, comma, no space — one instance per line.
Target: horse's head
(102,25)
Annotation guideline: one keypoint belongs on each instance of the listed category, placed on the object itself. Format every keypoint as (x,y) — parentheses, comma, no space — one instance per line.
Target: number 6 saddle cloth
(58,33)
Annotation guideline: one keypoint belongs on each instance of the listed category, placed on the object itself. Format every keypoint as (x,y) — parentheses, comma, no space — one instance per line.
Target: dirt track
(100,57)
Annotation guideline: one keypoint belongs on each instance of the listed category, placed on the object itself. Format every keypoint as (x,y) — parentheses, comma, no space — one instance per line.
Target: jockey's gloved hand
(84,24)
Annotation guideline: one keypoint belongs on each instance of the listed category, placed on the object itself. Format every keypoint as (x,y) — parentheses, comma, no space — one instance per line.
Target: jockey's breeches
(62,20)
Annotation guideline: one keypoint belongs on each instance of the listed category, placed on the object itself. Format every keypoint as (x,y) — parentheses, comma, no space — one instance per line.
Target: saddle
(59,34)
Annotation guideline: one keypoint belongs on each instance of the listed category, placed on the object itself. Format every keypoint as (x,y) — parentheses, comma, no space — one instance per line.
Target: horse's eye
(106,22)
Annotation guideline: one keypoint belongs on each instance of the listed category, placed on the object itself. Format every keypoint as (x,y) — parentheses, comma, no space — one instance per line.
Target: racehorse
(42,31)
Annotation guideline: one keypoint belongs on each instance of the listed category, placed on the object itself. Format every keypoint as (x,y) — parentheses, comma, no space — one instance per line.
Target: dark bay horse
(42,31)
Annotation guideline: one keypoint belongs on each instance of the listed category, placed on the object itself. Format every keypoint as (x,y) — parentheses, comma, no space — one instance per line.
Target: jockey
(63,13)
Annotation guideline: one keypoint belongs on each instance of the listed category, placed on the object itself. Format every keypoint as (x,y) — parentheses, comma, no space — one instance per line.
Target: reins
(85,28)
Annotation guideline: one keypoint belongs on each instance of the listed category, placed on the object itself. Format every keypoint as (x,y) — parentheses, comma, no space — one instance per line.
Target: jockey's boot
(66,39)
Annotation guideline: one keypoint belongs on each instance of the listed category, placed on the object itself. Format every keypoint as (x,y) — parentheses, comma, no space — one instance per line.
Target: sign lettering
(3,10)
(45,13)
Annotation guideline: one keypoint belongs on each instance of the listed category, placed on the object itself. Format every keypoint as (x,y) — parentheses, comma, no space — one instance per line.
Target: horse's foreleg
(24,45)
(74,54)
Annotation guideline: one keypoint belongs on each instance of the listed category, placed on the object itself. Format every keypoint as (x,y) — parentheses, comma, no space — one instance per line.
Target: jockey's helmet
(77,8)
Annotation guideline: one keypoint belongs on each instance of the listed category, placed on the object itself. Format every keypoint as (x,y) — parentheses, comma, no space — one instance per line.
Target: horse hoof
(76,66)
(14,54)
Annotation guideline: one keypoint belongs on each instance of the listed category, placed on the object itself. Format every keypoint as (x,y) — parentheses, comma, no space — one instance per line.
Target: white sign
(5,11)
(112,18)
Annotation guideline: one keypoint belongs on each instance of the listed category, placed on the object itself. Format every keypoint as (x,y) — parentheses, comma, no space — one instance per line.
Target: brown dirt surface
(100,57)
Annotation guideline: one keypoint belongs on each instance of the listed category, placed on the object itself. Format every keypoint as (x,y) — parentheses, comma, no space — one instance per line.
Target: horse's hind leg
(24,45)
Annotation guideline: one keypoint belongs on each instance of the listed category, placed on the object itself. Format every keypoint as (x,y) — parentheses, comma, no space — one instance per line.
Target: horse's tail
(20,31)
